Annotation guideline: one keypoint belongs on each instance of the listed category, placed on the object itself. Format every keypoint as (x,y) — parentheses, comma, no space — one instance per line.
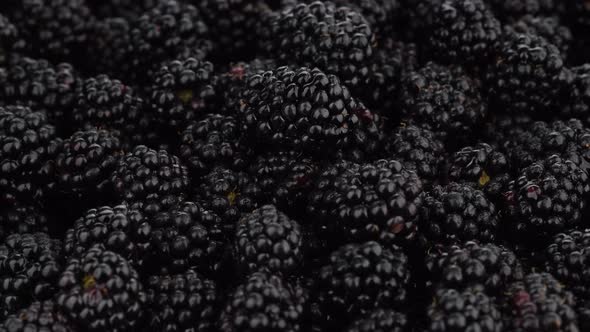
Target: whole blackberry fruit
(30,265)
(577,96)
(380,320)
(182,302)
(307,111)
(182,91)
(464,31)
(418,149)
(474,265)
(359,278)
(355,203)
(39,316)
(548,27)
(527,76)
(28,147)
(467,310)
(22,218)
(548,197)
(457,213)
(9,39)
(445,100)
(99,290)
(267,239)
(157,179)
(263,302)
(540,303)
(510,10)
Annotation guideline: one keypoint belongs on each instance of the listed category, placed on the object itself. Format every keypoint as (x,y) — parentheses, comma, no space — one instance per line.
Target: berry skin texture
(39,316)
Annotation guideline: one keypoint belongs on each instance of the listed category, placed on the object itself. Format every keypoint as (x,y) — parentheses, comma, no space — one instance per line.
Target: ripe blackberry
(577,96)
(307,111)
(540,303)
(418,149)
(355,203)
(527,76)
(381,15)
(464,31)
(22,218)
(182,302)
(548,27)
(445,100)
(100,291)
(474,265)
(380,320)
(263,302)
(182,91)
(28,146)
(30,265)
(267,239)
(510,10)
(549,197)
(467,310)
(39,316)
(9,37)
(360,278)
(157,179)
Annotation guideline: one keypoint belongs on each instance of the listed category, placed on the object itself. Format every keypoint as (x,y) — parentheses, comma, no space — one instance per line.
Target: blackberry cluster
(548,27)
(380,320)
(381,15)
(39,316)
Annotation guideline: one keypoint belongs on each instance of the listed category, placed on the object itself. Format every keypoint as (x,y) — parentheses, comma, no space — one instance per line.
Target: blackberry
(30,265)
(157,179)
(182,91)
(267,239)
(308,111)
(577,96)
(527,76)
(457,213)
(465,32)
(445,100)
(482,167)
(381,15)
(468,310)
(540,303)
(9,38)
(510,10)
(182,302)
(418,149)
(549,197)
(473,265)
(380,320)
(29,145)
(22,218)
(378,201)
(360,278)
(263,302)
(99,290)
(39,316)
(548,27)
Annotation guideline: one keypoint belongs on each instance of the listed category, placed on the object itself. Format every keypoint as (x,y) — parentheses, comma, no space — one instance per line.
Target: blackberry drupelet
(157,179)
(457,213)
(28,147)
(9,39)
(540,303)
(355,203)
(307,111)
(473,265)
(267,239)
(527,76)
(263,302)
(182,302)
(359,278)
(577,96)
(100,291)
(548,27)
(511,10)
(380,320)
(418,149)
(39,316)
(445,100)
(20,218)
(30,265)
(467,310)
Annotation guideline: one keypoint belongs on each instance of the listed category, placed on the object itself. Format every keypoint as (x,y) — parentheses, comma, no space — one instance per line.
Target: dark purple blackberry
(181,302)
(267,239)
(510,10)
(20,218)
(474,265)
(157,179)
(548,27)
(540,303)
(182,91)
(30,265)
(445,100)
(380,320)
(577,96)
(359,278)
(28,147)
(467,310)
(381,15)
(9,38)
(39,316)
(100,291)
(355,203)
(526,76)
(307,111)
